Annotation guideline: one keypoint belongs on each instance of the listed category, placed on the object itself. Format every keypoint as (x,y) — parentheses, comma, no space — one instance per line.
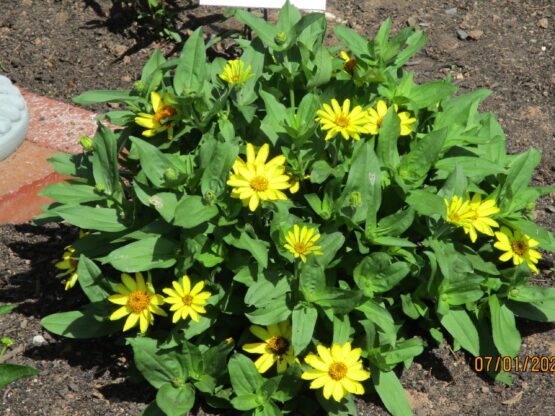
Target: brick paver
(53,127)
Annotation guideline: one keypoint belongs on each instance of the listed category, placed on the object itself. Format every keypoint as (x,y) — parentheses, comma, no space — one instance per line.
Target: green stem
(292,95)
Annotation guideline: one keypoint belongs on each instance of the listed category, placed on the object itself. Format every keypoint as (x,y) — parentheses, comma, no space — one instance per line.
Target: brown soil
(61,48)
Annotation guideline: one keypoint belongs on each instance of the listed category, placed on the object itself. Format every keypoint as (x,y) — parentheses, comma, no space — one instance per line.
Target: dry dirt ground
(60,48)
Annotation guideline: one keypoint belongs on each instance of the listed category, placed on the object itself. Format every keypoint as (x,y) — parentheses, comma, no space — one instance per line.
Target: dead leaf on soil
(515,399)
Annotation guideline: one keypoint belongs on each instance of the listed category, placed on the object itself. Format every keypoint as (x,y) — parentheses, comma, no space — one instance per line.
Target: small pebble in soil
(452,10)
(475,34)
(543,23)
(461,34)
(38,340)
(485,389)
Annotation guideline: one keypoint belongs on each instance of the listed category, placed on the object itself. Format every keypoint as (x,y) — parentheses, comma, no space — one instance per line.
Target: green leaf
(387,141)
(323,64)
(375,273)
(274,312)
(7,308)
(329,244)
(154,163)
(426,203)
(355,43)
(365,179)
(462,329)
(175,401)
(91,218)
(246,402)
(191,212)
(262,292)
(190,72)
(71,194)
(264,30)
(105,160)
(89,322)
(380,316)
(158,366)
(154,63)
(476,167)
(149,253)
(505,333)
(104,96)
(542,311)
(532,294)
(404,350)
(91,280)
(258,248)
(244,376)
(416,164)
(214,177)
(414,43)
(12,372)
(303,323)
(391,392)
(429,94)
(341,329)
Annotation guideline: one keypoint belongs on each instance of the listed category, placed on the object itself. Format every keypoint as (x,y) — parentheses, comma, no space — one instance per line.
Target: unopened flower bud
(170,174)
(355,199)
(86,143)
(280,38)
(139,86)
(100,188)
(209,196)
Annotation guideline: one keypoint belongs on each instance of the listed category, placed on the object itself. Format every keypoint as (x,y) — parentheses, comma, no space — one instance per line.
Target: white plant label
(267,4)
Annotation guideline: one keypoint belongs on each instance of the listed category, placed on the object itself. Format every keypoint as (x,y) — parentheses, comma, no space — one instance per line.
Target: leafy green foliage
(389,257)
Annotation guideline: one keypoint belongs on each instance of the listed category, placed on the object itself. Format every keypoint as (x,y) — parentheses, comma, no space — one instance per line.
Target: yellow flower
(336,119)
(378,114)
(68,267)
(257,180)
(518,247)
(157,122)
(480,217)
(350,62)
(300,242)
(275,348)
(235,73)
(296,183)
(472,215)
(186,301)
(138,300)
(458,211)
(337,369)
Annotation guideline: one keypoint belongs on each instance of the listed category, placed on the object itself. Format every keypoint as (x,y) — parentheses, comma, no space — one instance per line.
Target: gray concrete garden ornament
(14,118)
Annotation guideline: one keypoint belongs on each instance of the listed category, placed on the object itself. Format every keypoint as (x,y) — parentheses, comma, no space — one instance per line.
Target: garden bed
(106,51)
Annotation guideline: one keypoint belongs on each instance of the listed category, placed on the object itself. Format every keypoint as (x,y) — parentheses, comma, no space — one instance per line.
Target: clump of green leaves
(11,372)
(173,193)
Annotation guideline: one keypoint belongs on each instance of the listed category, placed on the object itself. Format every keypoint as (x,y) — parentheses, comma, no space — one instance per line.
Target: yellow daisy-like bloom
(458,211)
(68,267)
(480,217)
(186,301)
(518,247)
(157,122)
(257,180)
(337,119)
(337,369)
(472,215)
(138,300)
(235,73)
(276,348)
(377,116)
(300,242)
(350,62)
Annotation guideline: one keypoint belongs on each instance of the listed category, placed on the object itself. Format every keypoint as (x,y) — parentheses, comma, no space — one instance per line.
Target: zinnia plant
(278,232)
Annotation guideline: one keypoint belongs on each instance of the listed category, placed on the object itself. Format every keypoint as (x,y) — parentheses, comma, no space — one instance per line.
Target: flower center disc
(350,65)
(278,345)
(342,121)
(138,301)
(164,112)
(187,300)
(300,248)
(259,183)
(519,247)
(337,371)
